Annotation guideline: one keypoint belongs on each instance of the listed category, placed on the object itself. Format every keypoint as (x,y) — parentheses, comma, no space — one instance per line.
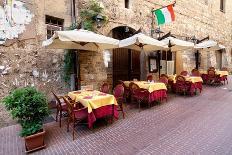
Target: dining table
(195,82)
(99,104)
(157,90)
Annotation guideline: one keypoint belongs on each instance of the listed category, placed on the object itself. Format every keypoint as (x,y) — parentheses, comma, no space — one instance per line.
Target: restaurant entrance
(126,62)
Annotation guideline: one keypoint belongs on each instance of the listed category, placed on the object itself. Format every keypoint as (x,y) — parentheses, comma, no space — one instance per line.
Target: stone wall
(200,18)
(27,63)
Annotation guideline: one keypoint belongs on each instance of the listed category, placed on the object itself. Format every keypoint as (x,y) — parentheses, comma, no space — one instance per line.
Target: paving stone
(183,125)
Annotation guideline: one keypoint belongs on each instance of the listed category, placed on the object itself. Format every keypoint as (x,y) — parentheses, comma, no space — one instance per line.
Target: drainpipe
(73,11)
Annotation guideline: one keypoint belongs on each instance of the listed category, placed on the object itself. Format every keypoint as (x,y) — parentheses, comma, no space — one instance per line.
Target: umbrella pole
(159,59)
(197,60)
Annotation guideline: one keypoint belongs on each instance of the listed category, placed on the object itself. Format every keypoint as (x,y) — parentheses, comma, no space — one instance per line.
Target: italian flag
(165,15)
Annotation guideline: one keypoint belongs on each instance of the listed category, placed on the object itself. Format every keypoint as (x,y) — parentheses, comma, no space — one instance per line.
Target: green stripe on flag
(160,16)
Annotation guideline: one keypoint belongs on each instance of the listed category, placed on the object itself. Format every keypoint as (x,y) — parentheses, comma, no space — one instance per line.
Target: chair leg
(68,125)
(60,117)
(139,105)
(57,113)
(123,114)
(73,129)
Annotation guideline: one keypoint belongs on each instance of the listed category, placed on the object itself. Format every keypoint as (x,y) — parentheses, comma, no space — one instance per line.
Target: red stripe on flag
(170,9)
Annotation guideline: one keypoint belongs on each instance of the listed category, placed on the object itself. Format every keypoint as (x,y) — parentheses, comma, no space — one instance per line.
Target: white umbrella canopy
(177,45)
(80,39)
(142,42)
(209,45)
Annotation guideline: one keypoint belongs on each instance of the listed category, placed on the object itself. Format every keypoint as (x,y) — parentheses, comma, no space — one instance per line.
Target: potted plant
(29,107)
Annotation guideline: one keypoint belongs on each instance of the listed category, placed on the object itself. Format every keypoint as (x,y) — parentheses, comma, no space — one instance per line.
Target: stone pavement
(184,125)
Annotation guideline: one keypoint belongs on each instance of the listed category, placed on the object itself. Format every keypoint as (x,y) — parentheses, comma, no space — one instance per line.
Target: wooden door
(134,72)
(219,59)
(120,65)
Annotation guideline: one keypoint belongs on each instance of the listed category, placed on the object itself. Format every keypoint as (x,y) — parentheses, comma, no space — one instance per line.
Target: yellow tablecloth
(93,99)
(221,73)
(192,79)
(150,86)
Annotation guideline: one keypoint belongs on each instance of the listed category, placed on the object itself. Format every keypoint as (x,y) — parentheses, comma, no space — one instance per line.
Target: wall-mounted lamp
(99,20)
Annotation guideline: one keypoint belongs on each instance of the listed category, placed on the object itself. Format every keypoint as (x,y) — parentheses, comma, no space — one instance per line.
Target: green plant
(68,66)
(89,14)
(29,107)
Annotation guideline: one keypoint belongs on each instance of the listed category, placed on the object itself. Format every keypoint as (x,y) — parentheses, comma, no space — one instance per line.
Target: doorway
(126,62)
(219,59)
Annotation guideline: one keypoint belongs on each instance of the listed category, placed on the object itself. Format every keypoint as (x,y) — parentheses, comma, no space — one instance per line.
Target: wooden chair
(126,90)
(211,68)
(164,75)
(118,93)
(212,77)
(195,72)
(150,78)
(138,94)
(60,107)
(182,86)
(133,87)
(224,78)
(105,88)
(184,73)
(75,115)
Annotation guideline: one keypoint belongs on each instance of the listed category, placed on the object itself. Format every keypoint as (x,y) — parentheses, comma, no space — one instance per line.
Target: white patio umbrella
(175,44)
(80,39)
(209,45)
(141,42)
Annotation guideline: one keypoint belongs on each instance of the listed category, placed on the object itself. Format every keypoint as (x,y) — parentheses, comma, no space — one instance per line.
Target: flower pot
(35,141)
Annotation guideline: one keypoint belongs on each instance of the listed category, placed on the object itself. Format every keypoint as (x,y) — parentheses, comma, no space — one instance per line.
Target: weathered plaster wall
(26,61)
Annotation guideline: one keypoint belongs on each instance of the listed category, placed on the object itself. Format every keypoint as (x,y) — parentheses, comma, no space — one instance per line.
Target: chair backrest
(224,69)
(164,80)
(133,87)
(164,75)
(149,78)
(184,73)
(211,68)
(57,99)
(180,78)
(211,73)
(195,72)
(70,106)
(105,88)
(118,91)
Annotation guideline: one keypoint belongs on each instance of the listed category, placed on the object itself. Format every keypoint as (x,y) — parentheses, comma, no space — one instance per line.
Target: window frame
(53,24)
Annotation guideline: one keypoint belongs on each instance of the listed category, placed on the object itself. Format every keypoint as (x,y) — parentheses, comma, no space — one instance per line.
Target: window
(222,5)
(127,4)
(53,24)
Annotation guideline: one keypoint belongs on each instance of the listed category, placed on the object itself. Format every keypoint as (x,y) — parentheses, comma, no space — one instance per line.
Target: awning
(80,39)
(209,45)
(175,44)
(142,42)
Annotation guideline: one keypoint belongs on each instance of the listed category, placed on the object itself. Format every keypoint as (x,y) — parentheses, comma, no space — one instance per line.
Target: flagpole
(152,23)
(165,6)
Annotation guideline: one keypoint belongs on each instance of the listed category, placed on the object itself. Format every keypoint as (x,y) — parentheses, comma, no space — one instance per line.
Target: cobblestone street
(184,125)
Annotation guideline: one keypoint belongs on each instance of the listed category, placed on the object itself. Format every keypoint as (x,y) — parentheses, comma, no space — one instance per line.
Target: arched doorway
(126,62)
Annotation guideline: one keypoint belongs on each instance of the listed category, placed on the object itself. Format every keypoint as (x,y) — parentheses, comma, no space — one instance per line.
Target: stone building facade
(199,18)
(25,62)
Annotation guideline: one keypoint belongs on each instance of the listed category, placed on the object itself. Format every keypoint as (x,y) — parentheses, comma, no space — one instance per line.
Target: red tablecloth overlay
(193,87)
(157,95)
(101,112)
